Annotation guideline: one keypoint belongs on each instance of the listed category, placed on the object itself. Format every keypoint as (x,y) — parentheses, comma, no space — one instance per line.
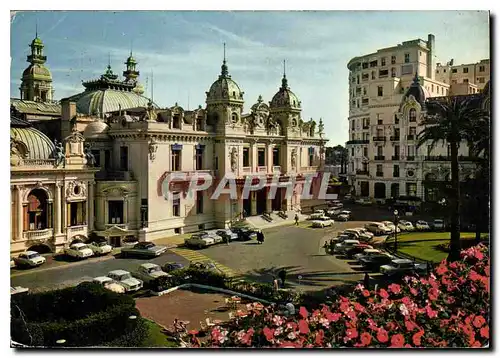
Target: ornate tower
(36,83)
(131,74)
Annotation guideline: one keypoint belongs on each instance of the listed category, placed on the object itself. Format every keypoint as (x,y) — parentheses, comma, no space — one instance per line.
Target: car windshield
(125,276)
(154,269)
(83,247)
(102,243)
(146,245)
(438,221)
(32,256)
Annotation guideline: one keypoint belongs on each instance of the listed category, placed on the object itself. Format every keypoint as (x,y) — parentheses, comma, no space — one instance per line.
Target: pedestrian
(276,284)
(366,281)
(226,239)
(260,237)
(282,276)
(296,219)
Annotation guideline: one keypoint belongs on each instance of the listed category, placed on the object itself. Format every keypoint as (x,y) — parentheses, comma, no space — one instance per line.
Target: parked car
(367,253)
(344,215)
(422,225)
(12,262)
(373,262)
(356,249)
(172,266)
(18,290)
(144,249)
(378,228)
(245,234)
(100,247)
(398,267)
(406,225)
(206,265)
(316,214)
(322,221)
(333,203)
(347,197)
(79,251)
(125,279)
(332,213)
(200,240)
(363,201)
(148,272)
(342,237)
(227,233)
(109,283)
(438,224)
(29,259)
(343,246)
(361,234)
(391,226)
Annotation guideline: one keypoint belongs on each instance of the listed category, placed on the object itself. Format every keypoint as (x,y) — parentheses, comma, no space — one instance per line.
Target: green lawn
(156,338)
(423,236)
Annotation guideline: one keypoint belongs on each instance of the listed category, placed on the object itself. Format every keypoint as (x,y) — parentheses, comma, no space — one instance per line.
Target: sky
(184,50)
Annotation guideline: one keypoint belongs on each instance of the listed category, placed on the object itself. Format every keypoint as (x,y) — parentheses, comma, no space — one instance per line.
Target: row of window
(405,70)
(383,62)
(412,116)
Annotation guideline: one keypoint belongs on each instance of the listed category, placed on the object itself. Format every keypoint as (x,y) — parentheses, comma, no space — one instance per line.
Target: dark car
(358,249)
(374,262)
(172,266)
(245,234)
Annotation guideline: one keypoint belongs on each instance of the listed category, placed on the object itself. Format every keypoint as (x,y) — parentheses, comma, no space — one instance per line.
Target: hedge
(86,315)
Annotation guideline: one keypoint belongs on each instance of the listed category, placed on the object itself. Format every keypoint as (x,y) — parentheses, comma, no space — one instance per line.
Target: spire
(224,72)
(36,29)
(416,79)
(284,81)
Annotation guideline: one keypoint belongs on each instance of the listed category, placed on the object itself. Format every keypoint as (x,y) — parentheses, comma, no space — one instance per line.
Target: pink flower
(358,307)
(410,325)
(479,321)
(397,341)
(441,270)
(383,293)
(413,291)
(372,325)
(332,317)
(303,312)
(303,326)
(433,294)
(351,333)
(430,312)
(319,337)
(247,337)
(366,339)
(417,338)
(485,332)
(382,335)
(394,288)
(269,333)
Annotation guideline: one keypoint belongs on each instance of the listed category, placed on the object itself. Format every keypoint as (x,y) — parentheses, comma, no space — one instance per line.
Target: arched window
(234,117)
(393,72)
(413,115)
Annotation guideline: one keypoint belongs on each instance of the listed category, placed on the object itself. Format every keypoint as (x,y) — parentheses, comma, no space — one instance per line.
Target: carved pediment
(115,192)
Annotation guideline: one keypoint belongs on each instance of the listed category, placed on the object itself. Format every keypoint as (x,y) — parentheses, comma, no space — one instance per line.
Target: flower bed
(450,308)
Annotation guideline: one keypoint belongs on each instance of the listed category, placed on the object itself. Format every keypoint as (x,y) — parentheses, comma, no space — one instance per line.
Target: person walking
(226,239)
(276,285)
(282,276)
(296,219)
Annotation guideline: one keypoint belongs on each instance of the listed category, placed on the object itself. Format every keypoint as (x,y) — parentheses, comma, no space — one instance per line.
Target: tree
(452,120)
(337,156)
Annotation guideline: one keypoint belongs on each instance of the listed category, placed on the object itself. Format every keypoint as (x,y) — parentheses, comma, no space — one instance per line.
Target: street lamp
(396,221)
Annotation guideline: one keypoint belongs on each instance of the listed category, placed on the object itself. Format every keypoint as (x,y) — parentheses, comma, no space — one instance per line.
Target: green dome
(37,71)
(38,144)
(37,41)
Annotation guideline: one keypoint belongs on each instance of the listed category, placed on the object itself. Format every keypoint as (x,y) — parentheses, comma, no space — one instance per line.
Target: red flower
(303,312)
(383,293)
(366,293)
(441,269)
(391,326)
(247,338)
(476,344)
(430,312)
(366,339)
(372,324)
(433,294)
(410,326)
(394,288)
(269,333)
(344,306)
(406,300)
(416,338)
(479,321)
(397,341)
(351,333)
(485,332)
(413,291)
(358,307)
(319,337)
(332,317)
(351,314)
(193,332)
(382,335)
(303,326)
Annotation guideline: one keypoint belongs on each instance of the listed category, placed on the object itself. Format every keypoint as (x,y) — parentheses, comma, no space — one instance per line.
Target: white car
(422,225)
(109,283)
(406,225)
(316,214)
(343,246)
(148,272)
(378,228)
(100,247)
(322,221)
(391,226)
(18,289)
(438,224)
(125,279)
(366,253)
(213,234)
(29,259)
(79,251)
(199,240)
(361,233)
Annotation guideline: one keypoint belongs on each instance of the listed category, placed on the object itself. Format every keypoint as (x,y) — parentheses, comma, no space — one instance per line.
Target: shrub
(86,315)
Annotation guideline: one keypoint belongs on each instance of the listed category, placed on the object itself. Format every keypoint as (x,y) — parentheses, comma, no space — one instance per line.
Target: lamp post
(396,221)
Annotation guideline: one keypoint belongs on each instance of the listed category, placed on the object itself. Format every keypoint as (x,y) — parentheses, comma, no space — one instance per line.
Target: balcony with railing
(79,229)
(395,157)
(247,170)
(121,226)
(262,169)
(395,138)
(41,235)
(358,141)
(379,139)
(276,168)
(309,169)
(362,172)
(379,157)
(39,162)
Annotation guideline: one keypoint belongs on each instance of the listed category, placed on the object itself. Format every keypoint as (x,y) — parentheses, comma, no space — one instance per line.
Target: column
(57,208)
(253,203)
(125,210)
(269,159)
(90,202)
(19,209)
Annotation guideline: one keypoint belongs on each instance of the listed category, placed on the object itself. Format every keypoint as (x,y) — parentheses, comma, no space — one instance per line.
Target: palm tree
(451,120)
